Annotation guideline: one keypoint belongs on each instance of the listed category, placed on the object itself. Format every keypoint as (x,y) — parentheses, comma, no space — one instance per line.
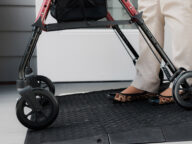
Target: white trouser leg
(147,67)
(178,15)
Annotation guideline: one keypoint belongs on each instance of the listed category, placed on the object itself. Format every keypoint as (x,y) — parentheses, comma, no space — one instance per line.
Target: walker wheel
(38,81)
(38,118)
(182,90)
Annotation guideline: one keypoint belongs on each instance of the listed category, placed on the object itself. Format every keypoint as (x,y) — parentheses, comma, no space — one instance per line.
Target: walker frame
(28,85)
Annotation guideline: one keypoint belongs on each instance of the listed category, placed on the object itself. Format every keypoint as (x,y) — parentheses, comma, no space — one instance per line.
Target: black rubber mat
(92,118)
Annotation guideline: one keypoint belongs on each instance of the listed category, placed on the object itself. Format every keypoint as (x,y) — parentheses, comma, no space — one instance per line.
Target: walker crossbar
(85,24)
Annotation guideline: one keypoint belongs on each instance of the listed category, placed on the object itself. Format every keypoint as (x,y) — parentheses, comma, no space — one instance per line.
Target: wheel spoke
(47,106)
(27,105)
(35,116)
(43,85)
(185,83)
(43,102)
(30,113)
(40,83)
(46,86)
(186,89)
(44,115)
(186,97)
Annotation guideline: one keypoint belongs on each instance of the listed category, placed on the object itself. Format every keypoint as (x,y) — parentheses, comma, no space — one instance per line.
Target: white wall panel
(85,55)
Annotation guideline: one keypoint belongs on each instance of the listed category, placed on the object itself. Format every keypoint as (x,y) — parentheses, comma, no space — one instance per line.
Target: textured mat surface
(92,118)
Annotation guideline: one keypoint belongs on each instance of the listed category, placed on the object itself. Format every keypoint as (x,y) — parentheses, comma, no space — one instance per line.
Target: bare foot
(167,92)
(132,90)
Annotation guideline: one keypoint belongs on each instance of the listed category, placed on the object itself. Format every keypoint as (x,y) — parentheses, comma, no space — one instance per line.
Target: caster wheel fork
(39,81)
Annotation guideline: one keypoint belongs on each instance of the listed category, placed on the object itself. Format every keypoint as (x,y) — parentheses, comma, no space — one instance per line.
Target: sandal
(121,97)
(161,100)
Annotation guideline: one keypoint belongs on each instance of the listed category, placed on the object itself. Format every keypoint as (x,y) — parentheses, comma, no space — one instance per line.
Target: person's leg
(147,67)
(178,15)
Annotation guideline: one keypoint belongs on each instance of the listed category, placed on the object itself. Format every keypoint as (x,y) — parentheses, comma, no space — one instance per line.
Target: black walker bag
(78,10)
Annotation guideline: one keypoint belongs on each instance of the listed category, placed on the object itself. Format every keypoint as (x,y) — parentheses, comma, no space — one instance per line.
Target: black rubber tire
(45,117)
(178,84)
(35,81)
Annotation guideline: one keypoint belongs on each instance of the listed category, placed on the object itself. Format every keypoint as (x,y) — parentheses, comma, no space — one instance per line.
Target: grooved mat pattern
(92,114)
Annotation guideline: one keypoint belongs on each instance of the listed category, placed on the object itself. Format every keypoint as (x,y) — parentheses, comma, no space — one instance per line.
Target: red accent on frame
(109,17)
(44,11)
(129,6)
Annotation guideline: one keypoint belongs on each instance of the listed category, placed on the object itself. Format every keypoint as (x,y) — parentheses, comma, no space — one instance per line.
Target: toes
(120,97)
(117,97)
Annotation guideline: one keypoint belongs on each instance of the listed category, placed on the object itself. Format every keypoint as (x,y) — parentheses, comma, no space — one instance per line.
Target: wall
(85,55)
(15,29)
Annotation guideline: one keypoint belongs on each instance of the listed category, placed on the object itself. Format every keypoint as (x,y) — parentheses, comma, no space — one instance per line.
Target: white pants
(178,15)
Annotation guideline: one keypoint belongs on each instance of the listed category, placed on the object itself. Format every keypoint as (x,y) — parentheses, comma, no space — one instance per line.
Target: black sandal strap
(135,94)
(164,96)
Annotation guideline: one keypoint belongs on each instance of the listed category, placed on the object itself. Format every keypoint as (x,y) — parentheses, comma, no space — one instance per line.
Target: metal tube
(123,37)
(121,34)
(29,52)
